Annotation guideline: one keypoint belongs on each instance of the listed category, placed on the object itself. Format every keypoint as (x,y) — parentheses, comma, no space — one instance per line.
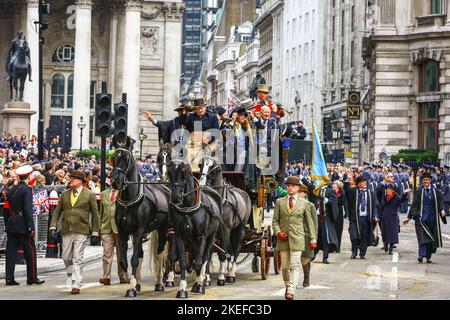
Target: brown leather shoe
(105,281)
(289,296)
(75,291)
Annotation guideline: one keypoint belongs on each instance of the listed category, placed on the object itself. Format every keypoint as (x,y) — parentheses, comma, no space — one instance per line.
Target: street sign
(353,112)
(347,140)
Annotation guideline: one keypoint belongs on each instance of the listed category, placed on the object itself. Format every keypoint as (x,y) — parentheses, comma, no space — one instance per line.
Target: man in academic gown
(427,212)
(363,214)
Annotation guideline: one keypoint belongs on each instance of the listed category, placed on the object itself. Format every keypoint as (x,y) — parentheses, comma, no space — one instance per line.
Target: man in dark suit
(427,211)
(363,212)
(18,214)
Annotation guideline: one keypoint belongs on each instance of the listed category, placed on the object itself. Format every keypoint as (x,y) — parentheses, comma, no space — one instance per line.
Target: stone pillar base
(16,118)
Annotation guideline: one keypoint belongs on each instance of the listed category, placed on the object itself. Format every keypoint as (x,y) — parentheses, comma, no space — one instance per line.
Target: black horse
(19,70)
(237,208)
(195,214)
(140,210)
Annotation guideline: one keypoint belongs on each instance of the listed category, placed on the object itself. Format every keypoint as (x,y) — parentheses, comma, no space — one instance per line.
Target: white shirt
(363,213)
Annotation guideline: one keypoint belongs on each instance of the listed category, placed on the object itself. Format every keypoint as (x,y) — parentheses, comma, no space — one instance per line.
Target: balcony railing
(434,20)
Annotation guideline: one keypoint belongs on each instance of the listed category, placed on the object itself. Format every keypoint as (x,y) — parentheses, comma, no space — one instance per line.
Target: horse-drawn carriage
(258,239)
(213,211)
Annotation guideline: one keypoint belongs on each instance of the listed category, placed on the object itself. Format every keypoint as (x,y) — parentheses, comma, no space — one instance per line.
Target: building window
(70,92)
(58,84)
(428,125)
(436,6)
(93,91)
(64,54)
(429,76)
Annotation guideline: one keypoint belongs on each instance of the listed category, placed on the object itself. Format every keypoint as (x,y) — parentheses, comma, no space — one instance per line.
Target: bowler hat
(199,102)
(78,175)
(303,188)
(360,179)
(295,181)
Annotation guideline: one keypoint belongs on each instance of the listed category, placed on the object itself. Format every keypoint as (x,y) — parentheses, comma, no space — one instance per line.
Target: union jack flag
(40,201)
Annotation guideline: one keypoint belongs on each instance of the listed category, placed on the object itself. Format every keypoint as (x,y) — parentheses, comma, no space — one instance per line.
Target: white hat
(24,171)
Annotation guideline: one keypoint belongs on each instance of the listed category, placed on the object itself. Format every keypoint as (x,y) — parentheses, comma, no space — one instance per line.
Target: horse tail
(153,251)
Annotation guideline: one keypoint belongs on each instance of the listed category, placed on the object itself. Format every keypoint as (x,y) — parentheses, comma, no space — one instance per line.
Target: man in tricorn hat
(291,215)
(77,204)
(18,214)
(170,131)
(263,100)
(427,212)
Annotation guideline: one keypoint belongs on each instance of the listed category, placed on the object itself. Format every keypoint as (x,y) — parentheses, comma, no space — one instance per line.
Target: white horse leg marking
(232,270)
(133,282)
(183,285)
(171,276)
(201,278)
(222,271)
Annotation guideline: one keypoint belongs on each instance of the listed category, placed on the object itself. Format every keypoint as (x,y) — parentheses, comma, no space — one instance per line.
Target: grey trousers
(73,255)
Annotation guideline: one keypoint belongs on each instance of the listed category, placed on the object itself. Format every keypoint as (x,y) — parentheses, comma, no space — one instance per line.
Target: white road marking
(446,236)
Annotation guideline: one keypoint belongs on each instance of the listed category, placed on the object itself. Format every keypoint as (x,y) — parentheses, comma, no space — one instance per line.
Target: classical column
(447,11)
(131,64)
(172,56)
(82,72)
(112,53)
(31,93)
(47,103)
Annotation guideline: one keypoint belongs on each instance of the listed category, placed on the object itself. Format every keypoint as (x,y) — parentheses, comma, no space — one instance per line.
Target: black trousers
(13,243)
(363,243)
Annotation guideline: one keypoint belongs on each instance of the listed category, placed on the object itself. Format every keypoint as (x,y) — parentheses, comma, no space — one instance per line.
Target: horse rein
(196,189)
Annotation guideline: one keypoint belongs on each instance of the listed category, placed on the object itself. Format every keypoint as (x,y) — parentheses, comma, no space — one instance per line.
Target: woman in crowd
(338,187)
(389,208)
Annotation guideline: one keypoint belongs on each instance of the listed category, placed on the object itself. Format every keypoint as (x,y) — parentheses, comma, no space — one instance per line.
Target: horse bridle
(120,170)
(198,188)
(217,166)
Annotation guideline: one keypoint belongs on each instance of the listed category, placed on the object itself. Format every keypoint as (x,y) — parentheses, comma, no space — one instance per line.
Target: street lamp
(142,136)
(81,125)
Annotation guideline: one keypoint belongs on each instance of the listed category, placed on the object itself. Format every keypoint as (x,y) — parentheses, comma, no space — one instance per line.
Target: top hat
(295,181)
(240,111)
(180,108)
(264,88)
(78,175)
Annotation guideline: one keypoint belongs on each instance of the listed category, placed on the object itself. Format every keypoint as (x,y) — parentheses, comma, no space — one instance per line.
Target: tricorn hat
(360,179)
(78,175)
(293,181)
(426,175)
(264,88)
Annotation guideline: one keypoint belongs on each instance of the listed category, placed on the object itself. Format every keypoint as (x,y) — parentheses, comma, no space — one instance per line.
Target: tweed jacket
(292,223)
(107,213)
(82,218)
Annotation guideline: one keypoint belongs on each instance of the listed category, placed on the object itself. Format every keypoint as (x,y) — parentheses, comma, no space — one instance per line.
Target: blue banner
(319,168)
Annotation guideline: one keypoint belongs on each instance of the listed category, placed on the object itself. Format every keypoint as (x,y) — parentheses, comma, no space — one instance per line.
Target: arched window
(64,54)
(58,84)
(70,91)
(429,76)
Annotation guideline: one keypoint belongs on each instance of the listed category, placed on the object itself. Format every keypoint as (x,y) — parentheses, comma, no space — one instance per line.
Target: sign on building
(354,105)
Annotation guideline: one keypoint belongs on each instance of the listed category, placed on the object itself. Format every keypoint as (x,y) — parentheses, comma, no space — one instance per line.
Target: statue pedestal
(16,118)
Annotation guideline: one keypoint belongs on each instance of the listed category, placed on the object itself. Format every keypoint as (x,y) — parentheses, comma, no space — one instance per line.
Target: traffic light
(327,130)
(103,115)
(120,121)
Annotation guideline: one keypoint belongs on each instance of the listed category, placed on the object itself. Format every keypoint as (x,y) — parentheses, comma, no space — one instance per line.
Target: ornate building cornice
(84,4)
(134,5)
(421,54)
(150,15)
(173,10)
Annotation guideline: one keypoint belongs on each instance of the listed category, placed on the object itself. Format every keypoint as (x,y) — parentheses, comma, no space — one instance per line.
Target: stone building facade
(344,30)
(134,46)
(409,61)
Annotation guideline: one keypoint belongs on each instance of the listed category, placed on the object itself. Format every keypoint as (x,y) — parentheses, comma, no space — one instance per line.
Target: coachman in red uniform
(263,100)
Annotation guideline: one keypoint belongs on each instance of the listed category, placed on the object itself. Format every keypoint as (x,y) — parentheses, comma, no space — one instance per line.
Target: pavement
(45,265)
(380,277)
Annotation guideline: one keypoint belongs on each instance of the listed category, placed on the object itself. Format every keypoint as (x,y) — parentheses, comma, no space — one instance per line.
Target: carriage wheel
(265,258)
